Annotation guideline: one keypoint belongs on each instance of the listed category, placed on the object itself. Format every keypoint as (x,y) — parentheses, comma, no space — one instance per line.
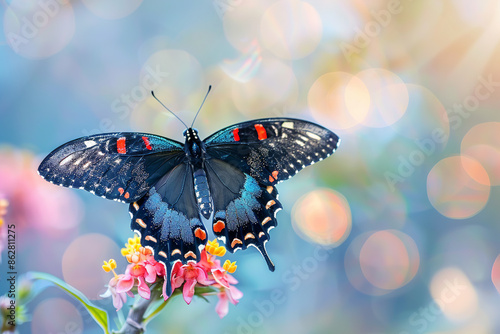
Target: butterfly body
(227,179)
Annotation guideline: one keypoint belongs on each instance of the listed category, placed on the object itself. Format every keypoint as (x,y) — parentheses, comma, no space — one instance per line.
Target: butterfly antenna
(209,88)
(164,106)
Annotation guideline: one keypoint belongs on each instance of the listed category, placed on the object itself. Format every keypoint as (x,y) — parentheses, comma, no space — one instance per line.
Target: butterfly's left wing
(244,163)
(119,166)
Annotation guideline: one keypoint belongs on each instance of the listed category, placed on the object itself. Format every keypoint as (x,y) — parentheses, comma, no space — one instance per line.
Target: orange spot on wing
(266,220)
(219,226)
(121,190)
(249,236)
(120,145)
(150,238)
(236,134)
(235,242)
(190,254)
(274,176)
(141,223)
(127,195)
(270,203)
(146,142)
(261,132)
(200,234)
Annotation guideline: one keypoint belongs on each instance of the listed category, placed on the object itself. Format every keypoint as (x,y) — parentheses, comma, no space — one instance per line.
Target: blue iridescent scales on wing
(229,179)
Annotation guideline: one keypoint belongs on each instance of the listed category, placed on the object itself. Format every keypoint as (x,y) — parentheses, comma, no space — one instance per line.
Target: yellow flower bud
(229,266)
(109,265)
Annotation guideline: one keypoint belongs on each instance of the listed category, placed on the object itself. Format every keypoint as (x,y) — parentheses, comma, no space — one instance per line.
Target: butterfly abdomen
(202,193)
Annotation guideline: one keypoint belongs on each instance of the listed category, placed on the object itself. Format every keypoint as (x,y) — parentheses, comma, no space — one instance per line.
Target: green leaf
(99,315)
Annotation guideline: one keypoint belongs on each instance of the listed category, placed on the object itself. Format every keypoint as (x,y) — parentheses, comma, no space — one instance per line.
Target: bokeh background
(398,232)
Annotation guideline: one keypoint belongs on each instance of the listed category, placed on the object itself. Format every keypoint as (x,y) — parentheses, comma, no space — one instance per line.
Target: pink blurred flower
(3,225)
(34,202)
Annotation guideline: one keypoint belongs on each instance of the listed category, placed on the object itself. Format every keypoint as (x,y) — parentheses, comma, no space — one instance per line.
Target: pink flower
(223,278)
(143,289)
(208,261)
(125,283)
(190,274)
(153,269)
(137,270)
(225,296)
(119,298)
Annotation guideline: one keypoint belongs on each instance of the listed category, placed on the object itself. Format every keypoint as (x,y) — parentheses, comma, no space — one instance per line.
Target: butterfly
(228,179)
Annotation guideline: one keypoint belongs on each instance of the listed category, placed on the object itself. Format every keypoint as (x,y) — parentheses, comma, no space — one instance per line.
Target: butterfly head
(191,134)
(193,145)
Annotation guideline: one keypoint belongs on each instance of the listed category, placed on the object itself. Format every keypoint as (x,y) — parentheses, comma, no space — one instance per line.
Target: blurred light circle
(482,143)
(339,100)
(177,79)
(82,261)
(353,268)
(388,96)
(273,84)
(38,29)
(425,119)
(291,29)
(56,315)
(453,292)
(112,9)
(322,216)
(453,192)
(241,21)
(495,273)
(377,263)
(389,259)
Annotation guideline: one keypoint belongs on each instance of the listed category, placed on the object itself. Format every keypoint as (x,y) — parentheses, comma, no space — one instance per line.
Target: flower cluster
(143,270)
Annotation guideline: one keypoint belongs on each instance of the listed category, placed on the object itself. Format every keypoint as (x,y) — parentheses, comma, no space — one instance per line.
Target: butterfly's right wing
(244,210)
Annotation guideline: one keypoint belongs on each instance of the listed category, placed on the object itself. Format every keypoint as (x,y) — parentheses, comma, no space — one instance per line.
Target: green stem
(136,319)
(135,323)
(160,307)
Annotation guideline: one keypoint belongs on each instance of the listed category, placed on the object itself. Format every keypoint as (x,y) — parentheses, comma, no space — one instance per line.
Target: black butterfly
(229,177)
